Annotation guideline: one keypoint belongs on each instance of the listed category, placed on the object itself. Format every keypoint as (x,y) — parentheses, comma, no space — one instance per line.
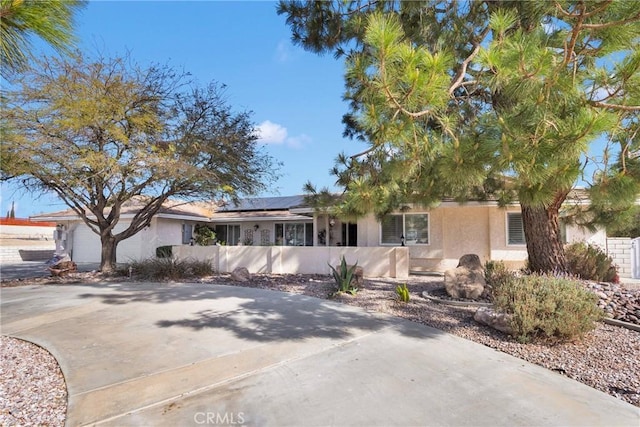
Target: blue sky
(295,96)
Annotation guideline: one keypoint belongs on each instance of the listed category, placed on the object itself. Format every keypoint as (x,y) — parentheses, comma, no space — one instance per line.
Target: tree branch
(615,107)
(457,81)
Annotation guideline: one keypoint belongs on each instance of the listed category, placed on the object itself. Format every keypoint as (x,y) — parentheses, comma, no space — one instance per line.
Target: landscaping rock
(240,274)
(467,280)
(471,261)
(488,316)
(617,302)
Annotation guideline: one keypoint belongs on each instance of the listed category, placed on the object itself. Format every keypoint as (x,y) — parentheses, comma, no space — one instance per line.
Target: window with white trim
(229,234)
(412,228)
(294,234)
(515,229)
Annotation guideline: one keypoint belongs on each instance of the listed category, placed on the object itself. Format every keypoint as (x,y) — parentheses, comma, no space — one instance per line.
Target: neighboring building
(436,237)
(25,240)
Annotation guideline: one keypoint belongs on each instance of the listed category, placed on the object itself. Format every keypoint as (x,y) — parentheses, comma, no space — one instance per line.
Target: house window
(187,233)
(515,229)
(294,234)
(229,234)
(414,228)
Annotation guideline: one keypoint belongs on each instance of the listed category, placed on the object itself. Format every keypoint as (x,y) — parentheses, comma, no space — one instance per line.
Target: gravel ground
(32,388)
(33,392)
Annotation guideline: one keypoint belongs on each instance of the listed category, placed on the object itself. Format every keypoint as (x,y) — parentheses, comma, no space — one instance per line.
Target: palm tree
(20,20)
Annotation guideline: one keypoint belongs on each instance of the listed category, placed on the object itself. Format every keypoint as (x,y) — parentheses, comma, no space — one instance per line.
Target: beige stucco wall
(455,230)
(375,261)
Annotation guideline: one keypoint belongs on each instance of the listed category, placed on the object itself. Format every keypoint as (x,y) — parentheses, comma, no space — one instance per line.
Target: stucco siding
(581,234)
(375,261)
(87,247)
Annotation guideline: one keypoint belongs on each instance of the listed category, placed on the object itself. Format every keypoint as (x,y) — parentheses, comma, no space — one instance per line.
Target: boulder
(471,261)
(467,280)
(500,321)
(240,274)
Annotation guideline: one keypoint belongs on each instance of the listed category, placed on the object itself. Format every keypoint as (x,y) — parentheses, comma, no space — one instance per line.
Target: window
(187,233)
(515,229)
(294,234)
(414,228)
(229,234)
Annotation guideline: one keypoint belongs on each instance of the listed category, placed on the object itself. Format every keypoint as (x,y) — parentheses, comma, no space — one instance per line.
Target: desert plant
(402,292)
(590,263)
(547,307)
(170,269)
(344,278)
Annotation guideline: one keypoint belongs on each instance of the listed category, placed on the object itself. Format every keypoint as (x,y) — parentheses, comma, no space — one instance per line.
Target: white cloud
(283,51)
(274,133)
(271,133)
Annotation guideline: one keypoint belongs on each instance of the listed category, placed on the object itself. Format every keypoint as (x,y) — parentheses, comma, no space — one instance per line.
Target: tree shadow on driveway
(257,314)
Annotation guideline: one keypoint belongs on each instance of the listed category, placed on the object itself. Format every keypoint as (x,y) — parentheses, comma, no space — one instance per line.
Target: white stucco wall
(581,234)
(86,247)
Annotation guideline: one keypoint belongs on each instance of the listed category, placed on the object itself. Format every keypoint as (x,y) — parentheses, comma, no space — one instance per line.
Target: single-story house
(435,237)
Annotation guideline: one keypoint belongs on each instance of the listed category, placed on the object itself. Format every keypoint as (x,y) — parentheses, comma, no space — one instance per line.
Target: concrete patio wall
(376,261)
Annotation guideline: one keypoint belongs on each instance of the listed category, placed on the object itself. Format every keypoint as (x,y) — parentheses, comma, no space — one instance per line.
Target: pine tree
(472,99)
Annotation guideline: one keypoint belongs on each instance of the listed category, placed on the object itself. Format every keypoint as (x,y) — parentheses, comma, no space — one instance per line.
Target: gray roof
(264,204)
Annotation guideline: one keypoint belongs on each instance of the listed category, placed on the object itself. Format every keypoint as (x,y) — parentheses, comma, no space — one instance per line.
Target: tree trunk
(108,253)
(544,243)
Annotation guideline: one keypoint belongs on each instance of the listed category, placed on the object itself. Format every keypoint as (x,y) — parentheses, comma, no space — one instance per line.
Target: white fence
(375,261)
(635,258)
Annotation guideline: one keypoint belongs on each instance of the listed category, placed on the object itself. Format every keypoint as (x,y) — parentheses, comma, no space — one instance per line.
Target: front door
(349,234)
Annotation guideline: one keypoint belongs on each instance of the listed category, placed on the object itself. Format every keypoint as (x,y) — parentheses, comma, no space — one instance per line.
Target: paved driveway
(195,354)
(29,269)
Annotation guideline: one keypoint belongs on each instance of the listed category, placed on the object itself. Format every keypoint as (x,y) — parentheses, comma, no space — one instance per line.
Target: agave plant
(402,293)
(344,277)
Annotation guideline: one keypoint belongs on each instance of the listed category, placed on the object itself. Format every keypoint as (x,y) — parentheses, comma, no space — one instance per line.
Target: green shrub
(402,293)
(170,269)
(164,252)
(590,263)
(547,307)
(203,235)
(496,273)
(344,278)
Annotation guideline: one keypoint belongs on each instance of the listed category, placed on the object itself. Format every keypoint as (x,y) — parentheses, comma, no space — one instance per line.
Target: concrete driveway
(30,269)
(195,354)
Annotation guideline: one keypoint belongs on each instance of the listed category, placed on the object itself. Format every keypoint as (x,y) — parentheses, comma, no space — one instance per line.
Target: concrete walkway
(194,354)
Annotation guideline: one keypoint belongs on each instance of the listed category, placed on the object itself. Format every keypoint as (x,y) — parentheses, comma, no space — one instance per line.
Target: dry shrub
(546,307)
(590,263)
(170,269)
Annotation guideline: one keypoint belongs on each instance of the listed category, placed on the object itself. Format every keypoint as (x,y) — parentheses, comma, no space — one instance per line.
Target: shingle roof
(264,204)
(197,210)
(272,215)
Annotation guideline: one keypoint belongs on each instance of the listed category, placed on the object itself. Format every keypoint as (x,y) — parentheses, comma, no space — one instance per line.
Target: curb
(622,324)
